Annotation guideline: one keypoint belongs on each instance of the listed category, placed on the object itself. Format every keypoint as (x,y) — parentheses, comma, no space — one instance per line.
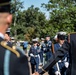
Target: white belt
(59,61)
(36,55)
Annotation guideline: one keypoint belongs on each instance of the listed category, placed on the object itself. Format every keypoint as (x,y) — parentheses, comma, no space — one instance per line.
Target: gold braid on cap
(4,44)
(3,4)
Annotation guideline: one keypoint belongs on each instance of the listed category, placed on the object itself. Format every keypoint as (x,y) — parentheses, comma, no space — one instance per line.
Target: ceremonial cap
(5,5)
(8,31)
(47,35)
(34,40)
(42,39)
(61,37)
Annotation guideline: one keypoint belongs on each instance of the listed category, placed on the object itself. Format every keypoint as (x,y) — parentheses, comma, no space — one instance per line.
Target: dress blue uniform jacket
(43,47)
(35,52)
(48,50)
(61,64)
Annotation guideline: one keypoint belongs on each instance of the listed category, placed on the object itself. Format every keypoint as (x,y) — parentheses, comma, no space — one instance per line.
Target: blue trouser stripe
(6,62)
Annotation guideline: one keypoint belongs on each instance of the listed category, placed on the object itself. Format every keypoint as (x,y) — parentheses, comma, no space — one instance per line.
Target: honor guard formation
(55,56)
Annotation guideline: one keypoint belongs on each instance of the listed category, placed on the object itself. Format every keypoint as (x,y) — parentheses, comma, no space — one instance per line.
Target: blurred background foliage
(31,23)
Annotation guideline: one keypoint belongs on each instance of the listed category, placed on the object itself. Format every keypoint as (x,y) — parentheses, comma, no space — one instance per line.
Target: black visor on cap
(61,37)
(34,41)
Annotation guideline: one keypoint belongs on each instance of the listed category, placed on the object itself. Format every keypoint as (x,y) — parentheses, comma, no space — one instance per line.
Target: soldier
(25,45)
(43,47)
(13,62)
(61,65)
(48,44)
(34,56)
(68,46)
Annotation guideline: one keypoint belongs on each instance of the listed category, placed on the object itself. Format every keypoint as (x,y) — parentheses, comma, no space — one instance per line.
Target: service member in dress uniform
(12,62)
(34,56)
(48,44)
(68,46)
(62,65)
(43,48)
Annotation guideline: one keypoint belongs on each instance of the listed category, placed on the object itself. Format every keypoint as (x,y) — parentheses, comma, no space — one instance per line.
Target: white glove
(57,73)
(31,54)
(59,61)
(66,64)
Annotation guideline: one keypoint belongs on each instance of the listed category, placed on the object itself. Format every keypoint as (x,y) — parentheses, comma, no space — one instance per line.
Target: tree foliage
(35,21)
(31,23)
(62,15)
(28,23)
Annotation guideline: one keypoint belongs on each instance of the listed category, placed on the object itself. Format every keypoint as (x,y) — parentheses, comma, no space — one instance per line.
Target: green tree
(35,22)
(27,24)
(62,15)
(16,28)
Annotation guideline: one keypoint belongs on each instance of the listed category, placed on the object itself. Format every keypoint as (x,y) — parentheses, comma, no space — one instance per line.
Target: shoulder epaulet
(4,44)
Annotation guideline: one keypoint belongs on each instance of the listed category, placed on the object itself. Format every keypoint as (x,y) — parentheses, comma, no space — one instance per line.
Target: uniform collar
(60,45)
(35,47)
(1,35)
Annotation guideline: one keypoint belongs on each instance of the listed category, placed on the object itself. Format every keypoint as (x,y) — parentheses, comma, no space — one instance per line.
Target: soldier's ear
(9,18)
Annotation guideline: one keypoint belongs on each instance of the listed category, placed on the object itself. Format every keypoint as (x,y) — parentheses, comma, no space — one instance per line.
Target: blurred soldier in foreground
(68,46)
(12,62)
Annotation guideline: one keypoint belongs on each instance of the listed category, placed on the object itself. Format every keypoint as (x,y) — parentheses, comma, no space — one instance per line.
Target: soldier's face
(42,41)
(9,19)
(47,38)
(35,44)
(5,18)
(61,41)
(7,37)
